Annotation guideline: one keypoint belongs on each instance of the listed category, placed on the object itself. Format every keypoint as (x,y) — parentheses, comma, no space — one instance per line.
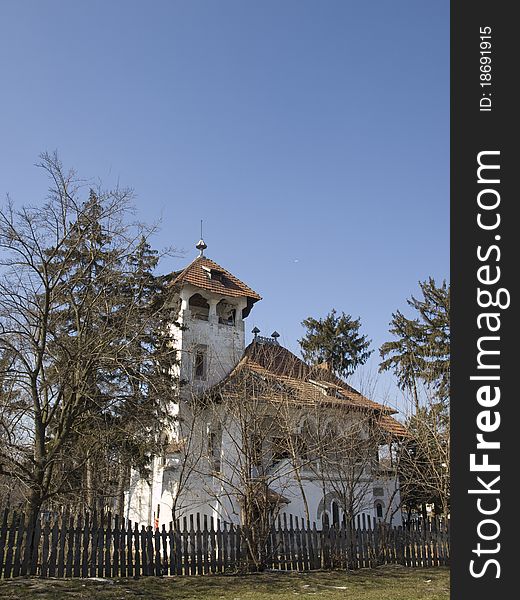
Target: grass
(384,583)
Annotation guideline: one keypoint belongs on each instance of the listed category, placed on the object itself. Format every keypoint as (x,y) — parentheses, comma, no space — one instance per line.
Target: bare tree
(65,334)
(424,459)
(243,480)
(184,448)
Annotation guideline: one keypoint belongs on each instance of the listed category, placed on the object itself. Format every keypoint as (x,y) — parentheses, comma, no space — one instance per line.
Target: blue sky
(311,136)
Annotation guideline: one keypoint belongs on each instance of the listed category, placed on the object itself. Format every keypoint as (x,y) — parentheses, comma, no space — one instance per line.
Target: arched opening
(199,307)
(379,509)
(226,313)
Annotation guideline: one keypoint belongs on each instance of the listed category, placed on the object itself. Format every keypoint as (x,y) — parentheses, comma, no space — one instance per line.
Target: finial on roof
(275,335)
(255,331)
(201,246)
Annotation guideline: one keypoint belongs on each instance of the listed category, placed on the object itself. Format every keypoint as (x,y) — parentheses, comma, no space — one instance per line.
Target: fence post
(325,546)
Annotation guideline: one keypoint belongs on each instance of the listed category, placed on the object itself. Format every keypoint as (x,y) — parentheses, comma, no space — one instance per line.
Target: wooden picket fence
(105,546)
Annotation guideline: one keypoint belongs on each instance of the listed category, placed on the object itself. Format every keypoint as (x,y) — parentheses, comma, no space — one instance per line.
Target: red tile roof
(287,376)
(208,275)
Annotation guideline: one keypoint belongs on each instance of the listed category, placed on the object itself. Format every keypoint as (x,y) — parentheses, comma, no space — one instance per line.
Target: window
(335,513)
(214,446)
(280,450)
(379,510)
(200,366)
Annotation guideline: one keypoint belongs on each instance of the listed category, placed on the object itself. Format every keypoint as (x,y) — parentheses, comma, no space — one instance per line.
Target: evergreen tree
(145,376)
(113,314)
(335,340)
(421,349)
(419,354)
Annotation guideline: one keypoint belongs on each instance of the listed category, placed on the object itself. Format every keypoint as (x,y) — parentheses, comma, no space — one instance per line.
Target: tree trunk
(121,485)
(90,495)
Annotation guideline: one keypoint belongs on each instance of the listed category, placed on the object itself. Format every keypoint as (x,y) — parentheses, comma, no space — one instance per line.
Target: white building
(257,426)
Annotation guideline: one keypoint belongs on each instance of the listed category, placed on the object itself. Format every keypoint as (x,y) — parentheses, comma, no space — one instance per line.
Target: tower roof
(208,275)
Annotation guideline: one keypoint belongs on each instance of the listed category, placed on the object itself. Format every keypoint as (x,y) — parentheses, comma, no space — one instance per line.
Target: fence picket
(165,558)
(70,548)
(108,546)
(27,551)
(150,550)
(220,555)
(157,546)
(10,543)
(129,553)
(116,536)
(298,545)
(178,551)
(198,545)
(137,571)
(122,548)
(3,538)
(61,546)
(241,546)
(77,546)
(316,550)
(144,552)
(185,547)
(275,546)
(225,547)
(100,543)
(292,544)
(193,566)
(18,547)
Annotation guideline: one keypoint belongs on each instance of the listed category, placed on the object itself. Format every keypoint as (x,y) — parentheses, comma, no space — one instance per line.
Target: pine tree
(336,342)
(146,366)
(117,306)
(419,356)
(421,349)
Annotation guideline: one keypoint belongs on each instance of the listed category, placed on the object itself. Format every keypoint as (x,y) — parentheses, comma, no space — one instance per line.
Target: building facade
(257,430)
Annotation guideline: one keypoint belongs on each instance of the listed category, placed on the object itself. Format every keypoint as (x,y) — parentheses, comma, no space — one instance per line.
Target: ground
(385,583)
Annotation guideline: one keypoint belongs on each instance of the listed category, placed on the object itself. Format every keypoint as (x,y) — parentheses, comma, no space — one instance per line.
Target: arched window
(379,509)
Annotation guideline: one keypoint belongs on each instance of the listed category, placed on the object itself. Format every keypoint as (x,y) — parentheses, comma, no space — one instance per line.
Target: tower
(212,305)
